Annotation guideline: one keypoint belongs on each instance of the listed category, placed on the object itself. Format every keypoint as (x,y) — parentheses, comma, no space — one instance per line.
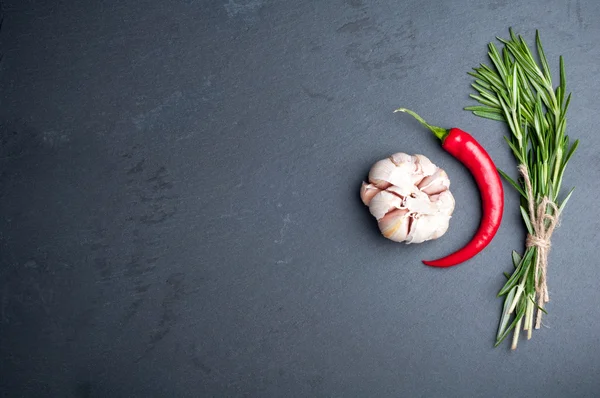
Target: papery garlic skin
(410,198)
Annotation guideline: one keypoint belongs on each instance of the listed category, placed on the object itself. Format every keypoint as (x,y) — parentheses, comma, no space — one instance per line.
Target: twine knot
(533,240)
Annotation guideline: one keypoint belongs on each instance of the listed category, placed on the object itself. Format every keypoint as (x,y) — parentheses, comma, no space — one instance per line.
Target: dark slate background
(179,202)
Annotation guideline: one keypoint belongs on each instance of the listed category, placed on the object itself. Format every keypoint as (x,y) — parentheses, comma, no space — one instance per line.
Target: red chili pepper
(469,152)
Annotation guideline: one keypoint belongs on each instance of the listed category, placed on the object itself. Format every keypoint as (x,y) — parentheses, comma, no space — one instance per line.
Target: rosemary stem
(516,299)
(515,339)
(530,320)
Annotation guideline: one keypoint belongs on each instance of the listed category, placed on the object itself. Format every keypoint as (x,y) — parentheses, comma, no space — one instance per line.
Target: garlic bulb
(410,198)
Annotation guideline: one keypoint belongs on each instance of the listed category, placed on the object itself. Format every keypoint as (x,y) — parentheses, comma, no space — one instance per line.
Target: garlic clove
(420,203)
(425,166)
(435,183)
(424,227)
(401,157)
(384,202)
(379,175)
(367,192)
(441,228)
(395,224)
(417,233)
(444,202)
(403,190)
(398,170)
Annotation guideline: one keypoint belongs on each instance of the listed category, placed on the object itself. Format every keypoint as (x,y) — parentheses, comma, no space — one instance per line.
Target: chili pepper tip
(437,264)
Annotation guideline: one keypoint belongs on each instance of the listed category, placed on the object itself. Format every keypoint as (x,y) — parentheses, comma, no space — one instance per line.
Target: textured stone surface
(180,216)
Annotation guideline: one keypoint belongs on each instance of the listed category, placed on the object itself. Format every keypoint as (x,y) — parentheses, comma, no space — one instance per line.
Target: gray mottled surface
(179,202)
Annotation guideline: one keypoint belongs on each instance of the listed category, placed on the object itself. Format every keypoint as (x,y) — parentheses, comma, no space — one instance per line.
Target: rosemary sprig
(518,90)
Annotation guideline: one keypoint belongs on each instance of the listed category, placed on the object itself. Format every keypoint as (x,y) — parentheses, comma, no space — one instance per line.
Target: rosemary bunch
(518,90)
